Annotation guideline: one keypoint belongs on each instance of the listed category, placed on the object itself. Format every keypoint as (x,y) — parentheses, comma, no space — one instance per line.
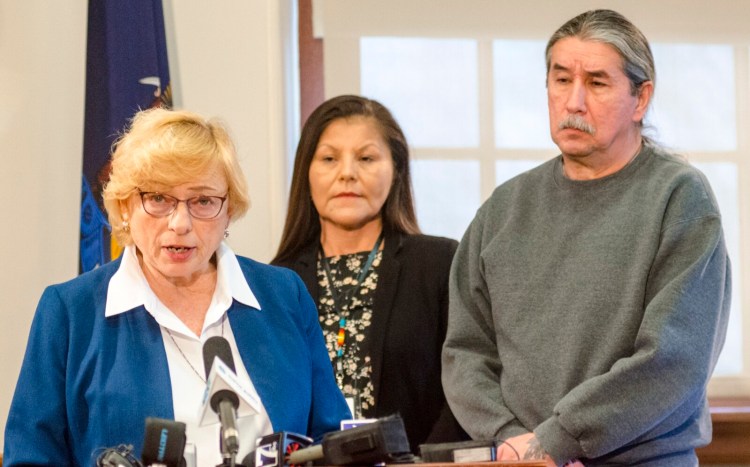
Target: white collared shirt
(129,289)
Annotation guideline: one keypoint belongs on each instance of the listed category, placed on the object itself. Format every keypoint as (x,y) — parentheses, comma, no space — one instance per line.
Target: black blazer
(410,316)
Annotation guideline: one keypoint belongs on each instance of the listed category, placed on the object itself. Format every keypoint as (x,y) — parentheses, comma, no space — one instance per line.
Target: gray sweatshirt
(591,312)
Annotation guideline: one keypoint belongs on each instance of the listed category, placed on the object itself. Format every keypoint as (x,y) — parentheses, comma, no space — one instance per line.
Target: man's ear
(644,94)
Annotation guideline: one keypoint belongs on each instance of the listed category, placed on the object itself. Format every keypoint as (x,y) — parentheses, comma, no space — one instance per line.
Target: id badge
(355,406)
(351,401)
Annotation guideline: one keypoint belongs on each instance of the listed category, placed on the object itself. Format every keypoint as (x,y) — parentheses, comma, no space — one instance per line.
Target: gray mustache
(577,123)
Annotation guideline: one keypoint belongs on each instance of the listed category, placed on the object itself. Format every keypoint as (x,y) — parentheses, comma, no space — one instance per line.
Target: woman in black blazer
(380,285)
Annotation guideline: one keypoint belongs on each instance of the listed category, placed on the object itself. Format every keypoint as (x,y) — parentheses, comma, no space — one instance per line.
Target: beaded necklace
(339,302)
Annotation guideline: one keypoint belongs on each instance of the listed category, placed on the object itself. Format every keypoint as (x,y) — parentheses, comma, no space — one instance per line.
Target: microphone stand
(229,459)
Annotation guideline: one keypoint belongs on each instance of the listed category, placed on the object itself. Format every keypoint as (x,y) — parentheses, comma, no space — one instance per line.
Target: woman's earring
(125,226)
(226,233)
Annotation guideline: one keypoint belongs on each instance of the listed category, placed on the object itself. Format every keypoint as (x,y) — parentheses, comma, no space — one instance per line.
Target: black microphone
(224,402)
(217,346)
(120,456)
(383,440)
(163,443)
(249,460)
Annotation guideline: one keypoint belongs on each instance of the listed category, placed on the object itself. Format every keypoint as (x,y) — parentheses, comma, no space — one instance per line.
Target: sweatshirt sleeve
(661,385)
(471,366)
(446,428)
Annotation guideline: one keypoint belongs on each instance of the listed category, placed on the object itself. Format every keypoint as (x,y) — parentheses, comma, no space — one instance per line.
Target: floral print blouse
(352,302)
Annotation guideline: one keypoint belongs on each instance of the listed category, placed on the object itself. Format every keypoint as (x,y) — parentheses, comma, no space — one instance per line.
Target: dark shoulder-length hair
(302,225)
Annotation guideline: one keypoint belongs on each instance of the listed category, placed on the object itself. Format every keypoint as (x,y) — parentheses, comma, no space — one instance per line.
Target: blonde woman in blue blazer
(123,342)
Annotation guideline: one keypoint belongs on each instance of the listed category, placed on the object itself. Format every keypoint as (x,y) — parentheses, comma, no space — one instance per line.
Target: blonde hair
(165,148)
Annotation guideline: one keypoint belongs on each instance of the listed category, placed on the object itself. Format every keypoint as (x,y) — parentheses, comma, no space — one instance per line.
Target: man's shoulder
(543,170)
(667,160)
(524,188)
(530,179)
(672,170)
(683,189)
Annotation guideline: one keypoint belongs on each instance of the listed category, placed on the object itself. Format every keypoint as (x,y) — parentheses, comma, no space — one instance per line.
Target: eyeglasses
(200,207)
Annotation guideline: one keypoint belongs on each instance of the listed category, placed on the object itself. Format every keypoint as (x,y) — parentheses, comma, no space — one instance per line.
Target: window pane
(430,85)
(507,169)
(519,75)
(446,195)
(694,102)
(724,182)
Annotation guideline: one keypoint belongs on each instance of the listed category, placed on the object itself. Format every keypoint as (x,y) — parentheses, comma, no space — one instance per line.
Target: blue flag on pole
(126,70)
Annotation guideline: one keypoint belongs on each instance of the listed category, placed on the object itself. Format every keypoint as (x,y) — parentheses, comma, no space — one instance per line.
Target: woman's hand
(527,447)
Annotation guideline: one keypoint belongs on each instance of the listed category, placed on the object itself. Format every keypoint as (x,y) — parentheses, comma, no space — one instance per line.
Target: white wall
(226,60)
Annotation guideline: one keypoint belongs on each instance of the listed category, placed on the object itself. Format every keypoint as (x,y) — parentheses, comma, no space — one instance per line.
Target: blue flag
(126,71)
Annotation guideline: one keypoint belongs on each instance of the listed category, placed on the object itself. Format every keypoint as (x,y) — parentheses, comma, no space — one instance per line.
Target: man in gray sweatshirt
(589,298)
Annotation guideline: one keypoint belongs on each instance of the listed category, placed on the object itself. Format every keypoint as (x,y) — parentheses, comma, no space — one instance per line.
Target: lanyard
(339,303)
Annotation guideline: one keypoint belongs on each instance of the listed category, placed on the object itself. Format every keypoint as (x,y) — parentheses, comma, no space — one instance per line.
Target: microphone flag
(273,450)
(222,378)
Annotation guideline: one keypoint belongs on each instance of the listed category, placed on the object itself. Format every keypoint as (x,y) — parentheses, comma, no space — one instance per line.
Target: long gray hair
(610,27)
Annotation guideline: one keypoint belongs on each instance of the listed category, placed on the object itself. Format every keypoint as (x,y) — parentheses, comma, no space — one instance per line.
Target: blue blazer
(88,382)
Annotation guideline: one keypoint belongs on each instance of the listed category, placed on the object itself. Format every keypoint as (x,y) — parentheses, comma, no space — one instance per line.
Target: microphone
(273,450)
(120,456)
(225,401)
(249,460)
(217,346)
(383,440)
(222,378)
(163,446)
(163,443)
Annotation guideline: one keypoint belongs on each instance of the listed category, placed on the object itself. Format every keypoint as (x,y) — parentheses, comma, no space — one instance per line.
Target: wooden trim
(731,433)
(311,87)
